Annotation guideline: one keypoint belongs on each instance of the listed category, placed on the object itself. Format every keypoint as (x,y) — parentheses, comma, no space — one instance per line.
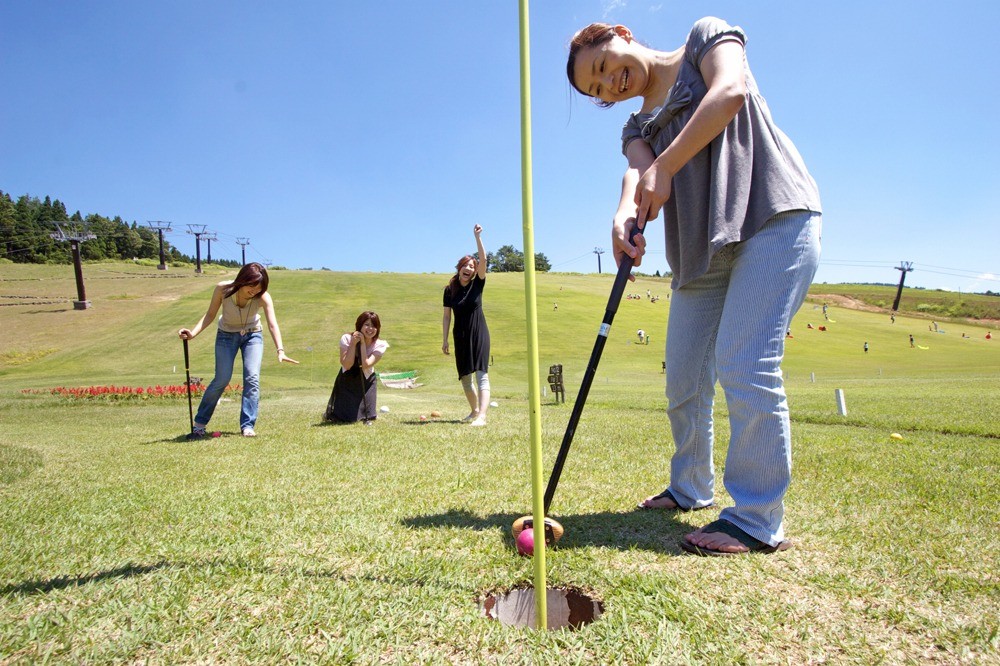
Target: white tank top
(235,319)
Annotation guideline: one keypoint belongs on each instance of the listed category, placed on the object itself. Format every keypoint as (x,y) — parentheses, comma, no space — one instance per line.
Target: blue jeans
(226,346)
(729,326)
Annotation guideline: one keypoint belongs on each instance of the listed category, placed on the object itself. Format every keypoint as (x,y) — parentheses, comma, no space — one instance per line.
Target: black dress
(354,396)
(470,333)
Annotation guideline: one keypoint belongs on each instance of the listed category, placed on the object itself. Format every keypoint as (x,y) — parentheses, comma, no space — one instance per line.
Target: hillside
(129,335)
(928,303)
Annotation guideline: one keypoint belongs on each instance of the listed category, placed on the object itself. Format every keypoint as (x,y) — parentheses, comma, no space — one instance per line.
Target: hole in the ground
(566,608)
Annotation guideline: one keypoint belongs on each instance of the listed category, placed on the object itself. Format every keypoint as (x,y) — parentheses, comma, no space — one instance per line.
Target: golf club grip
(187,358)
(617,289)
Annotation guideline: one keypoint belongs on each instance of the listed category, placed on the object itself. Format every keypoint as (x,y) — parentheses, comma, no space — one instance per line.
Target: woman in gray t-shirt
(741,217)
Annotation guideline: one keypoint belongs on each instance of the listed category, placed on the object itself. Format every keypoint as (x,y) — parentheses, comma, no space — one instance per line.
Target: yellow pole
(531,318)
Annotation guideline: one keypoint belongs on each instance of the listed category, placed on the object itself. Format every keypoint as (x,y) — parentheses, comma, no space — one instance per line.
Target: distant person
(866,346)
(741,265)
(989,335)
(239,331)
(464,297)
(911,341)
(642,336)
(935,326)
(355,390)
(892,317)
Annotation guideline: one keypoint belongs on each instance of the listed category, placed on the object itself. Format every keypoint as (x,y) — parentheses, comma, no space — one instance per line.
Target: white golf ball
(384,409)
(494,404)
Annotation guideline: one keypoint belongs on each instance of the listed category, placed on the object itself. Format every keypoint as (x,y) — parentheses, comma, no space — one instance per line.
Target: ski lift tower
(161,227)
(74,237)
(197,230)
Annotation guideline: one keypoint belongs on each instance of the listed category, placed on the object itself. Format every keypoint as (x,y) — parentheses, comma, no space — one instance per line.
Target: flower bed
(128,393)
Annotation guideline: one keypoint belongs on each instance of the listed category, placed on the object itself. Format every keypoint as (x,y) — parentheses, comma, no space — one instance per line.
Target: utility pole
(74,239)
(598,251)
(197,230)
(904,268)
(209,237)
(160,227)
(243,242)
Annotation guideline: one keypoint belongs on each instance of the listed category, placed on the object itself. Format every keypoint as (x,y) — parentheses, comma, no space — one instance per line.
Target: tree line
(508,259)
(27,225)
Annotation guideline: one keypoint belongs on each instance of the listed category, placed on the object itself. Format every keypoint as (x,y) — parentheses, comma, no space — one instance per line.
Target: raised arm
(207,318)
(481,270)
(272,326)
(723,71)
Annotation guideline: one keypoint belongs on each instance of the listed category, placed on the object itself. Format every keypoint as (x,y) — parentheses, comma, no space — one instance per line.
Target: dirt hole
(566,608)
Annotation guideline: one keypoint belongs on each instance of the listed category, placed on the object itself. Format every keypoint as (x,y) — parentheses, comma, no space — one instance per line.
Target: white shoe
(480,421)
(249,432)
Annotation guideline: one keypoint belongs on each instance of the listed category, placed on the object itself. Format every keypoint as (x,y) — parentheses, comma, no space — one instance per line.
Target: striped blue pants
(729,326)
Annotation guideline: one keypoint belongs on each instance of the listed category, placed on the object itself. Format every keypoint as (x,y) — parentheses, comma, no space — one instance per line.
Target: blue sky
(372,136)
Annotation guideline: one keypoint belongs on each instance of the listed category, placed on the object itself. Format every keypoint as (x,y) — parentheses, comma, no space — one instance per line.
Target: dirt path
(842,301)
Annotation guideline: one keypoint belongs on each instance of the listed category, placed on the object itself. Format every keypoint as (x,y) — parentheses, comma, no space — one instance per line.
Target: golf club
(553,530)
(617,289)
(364,392)
(187,372)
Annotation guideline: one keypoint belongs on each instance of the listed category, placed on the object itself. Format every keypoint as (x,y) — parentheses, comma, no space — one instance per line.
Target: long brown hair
(369,315)
(455,282)
(594,34)
(251,274)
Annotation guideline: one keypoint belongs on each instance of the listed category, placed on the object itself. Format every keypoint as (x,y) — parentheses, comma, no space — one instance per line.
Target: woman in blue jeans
(239,331)
(742,223)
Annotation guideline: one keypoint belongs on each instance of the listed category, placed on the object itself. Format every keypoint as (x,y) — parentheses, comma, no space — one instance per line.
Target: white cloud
(611,6)
(983,282)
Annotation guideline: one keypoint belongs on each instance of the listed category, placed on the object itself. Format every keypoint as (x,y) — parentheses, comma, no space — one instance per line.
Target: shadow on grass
(183,439)
(405,422)
(658,531)
(61,582)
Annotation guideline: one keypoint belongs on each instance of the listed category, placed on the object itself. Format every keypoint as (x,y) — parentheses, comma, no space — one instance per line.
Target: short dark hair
(369,315)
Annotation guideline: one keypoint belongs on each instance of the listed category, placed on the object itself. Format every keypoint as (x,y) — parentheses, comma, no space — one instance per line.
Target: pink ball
(526,543)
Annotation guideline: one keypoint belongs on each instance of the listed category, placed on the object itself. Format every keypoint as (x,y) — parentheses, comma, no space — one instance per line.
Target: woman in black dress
(464,297)
(355,391)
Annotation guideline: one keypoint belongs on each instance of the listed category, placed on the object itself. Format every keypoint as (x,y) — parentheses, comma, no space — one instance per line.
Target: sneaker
(199,432)
(249,432)
(480,421)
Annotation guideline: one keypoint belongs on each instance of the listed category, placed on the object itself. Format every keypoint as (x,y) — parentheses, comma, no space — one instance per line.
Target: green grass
(120,542)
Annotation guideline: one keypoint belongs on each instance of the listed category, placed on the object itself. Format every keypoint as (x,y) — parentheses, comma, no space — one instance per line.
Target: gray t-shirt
(745,176)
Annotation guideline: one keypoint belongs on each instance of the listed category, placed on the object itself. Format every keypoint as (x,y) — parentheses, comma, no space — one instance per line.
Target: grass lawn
(121,542)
